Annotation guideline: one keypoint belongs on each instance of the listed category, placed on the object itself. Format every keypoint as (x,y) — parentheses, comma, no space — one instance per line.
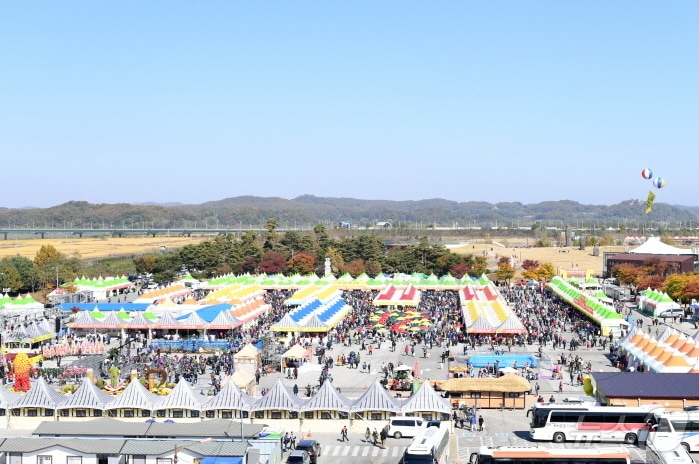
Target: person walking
(480,423)
(375,437)
(343,434)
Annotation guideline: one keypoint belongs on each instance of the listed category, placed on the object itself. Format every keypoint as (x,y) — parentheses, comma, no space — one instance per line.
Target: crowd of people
(546,318)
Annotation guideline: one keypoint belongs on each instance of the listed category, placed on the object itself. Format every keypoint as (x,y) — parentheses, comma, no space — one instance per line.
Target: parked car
(405,426)
(675,312)
(298,457)
(312,447)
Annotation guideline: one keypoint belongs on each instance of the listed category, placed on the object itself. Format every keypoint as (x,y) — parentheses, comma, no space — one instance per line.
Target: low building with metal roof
(671,390)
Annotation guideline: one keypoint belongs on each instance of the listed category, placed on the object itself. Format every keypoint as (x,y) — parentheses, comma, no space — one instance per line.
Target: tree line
(272,252)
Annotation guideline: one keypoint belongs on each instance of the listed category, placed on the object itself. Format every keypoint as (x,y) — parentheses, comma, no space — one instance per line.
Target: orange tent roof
(676,360)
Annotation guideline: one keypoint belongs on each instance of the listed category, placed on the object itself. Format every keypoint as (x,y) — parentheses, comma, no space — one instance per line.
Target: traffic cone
(309,434)
(365,387)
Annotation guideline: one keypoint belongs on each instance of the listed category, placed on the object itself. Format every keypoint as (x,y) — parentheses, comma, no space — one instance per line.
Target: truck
(615,292)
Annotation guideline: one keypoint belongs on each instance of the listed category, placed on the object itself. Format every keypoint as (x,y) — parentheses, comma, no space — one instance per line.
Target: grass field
(560,258)
(96,247)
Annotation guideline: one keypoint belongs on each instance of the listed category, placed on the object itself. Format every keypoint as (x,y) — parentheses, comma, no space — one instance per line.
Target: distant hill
(308,210)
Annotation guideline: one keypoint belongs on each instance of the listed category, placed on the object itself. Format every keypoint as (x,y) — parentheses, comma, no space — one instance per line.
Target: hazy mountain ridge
(308,210)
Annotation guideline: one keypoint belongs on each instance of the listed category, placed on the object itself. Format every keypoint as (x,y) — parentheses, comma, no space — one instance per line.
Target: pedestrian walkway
(364,450)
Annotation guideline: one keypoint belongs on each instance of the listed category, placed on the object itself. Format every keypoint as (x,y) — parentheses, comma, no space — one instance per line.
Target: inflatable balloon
(587,386)
(659,182)
(647,174)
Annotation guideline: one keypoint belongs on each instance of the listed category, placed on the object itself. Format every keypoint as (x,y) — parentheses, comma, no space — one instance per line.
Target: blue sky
(189,102)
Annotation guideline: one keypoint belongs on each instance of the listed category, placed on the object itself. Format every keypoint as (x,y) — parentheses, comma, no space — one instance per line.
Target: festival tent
(112,320)
(285,324)
(251,310)
(426,399)
(656,302)
(376,398)
(248,359)
(327,398)
(181,397)
(158,295)
(134,396)
(229,398)
(40,395)
(22,306)
(278,398)
(102,288)
(192,321)
(294,353)
(87,396)
(313,324)
(139,321)
(224,321)
(244,381)
(654,246)
(392,295)
(104,307)
(166,321)
(8,398)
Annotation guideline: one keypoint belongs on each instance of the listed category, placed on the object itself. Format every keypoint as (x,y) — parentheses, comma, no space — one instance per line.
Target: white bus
(559,423)
(428,447)
(671,429)
(539,454)
(662,455)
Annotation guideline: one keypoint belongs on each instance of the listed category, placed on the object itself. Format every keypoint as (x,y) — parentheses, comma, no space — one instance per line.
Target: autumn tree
(301,263)
(531,274)
(273,262)
(546,271)
(691,288)
(459,270)
(337,261)
(649,281)
(372,268)
(354,267)
(528,264)
(627,274)
(675,285)
(47,255)
(479,266)
(505,271)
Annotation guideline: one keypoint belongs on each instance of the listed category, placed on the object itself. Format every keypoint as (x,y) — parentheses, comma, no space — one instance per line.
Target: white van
(404,426)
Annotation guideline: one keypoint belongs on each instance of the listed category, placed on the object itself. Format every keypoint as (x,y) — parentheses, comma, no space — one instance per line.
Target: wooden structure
(508,391)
